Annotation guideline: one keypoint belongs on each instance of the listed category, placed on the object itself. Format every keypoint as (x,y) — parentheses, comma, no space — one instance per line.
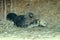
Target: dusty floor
(9,32)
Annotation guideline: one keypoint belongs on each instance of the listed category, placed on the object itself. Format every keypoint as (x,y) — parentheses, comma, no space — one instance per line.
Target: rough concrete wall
(22,6)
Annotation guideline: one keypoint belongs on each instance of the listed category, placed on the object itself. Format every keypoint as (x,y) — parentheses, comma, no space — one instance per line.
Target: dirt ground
(8,31)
